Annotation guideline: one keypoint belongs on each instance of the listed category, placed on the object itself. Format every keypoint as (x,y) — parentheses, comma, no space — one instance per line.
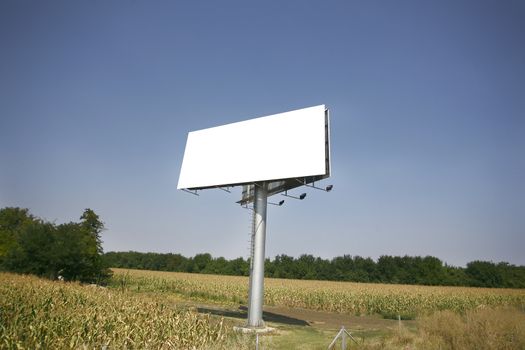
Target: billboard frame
(276,184)
(257,192)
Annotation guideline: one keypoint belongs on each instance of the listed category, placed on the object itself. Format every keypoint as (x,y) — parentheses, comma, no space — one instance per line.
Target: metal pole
(256,293)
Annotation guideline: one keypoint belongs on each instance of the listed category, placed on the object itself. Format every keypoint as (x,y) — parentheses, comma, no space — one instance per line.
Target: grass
(480,329)
(297,337)
(310,338)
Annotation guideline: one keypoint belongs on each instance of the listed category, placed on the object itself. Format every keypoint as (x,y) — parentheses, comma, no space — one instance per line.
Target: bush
(71,251)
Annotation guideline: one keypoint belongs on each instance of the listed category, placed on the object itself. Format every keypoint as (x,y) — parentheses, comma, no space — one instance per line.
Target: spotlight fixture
(301,196)
(277,204)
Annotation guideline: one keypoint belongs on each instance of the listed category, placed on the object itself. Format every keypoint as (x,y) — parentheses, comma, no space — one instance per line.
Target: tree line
(387,269)
(73,251)
(70,251)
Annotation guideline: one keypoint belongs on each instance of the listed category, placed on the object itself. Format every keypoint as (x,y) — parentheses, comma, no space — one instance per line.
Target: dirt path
(309,318)
(332,320)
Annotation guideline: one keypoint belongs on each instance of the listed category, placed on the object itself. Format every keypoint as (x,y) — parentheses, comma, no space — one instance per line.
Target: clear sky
(427,101)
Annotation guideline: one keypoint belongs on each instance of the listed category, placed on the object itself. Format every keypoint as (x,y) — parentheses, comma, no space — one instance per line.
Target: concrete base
(260,330)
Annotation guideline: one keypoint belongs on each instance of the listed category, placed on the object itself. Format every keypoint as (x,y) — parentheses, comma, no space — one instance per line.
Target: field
(388,300)
(37,313)
(161,310)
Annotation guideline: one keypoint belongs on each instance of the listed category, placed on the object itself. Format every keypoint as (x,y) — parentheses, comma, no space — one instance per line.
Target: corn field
(42,314)
(137,311)
(387,300)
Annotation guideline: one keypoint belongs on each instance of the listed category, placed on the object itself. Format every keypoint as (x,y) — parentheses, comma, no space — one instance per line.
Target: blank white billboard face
(281,146)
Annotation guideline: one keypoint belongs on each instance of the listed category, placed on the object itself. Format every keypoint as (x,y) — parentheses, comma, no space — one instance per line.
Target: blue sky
(427,101)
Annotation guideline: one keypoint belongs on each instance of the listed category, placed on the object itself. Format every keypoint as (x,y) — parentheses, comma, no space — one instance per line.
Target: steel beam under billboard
(278,148)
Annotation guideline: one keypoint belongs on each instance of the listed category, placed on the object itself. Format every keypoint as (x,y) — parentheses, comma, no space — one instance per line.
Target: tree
(343,266)
(284,267)
(33,252)
(431,271)
(72,250)
(92,227)
(13,222)
(92,224)
(201,261)
(365,269)
(388,269)
(239,267)
(484,274)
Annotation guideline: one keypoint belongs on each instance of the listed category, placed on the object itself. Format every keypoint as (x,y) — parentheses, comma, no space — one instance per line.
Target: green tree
(305,267)
(387,269)
(33,252)
(432,271)
(13,222)
(78,258)
(364,269)
(284,267)
(239,267)
(94,226)
(201,261)
(484,274)
(72,250)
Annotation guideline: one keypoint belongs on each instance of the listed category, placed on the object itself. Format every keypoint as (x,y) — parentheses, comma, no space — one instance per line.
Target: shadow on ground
(242,313)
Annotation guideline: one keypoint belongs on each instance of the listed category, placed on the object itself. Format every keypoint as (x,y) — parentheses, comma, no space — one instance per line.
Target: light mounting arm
(301,196)
(326,189)
(191,192)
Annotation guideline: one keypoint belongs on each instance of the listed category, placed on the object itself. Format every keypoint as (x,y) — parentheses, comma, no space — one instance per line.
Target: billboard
(279,149)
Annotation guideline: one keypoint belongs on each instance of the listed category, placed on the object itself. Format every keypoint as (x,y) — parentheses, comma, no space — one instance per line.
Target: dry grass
(479,329)
(482,329)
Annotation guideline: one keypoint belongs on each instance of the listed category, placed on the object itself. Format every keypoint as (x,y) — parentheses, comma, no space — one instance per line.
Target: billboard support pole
(256,292)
